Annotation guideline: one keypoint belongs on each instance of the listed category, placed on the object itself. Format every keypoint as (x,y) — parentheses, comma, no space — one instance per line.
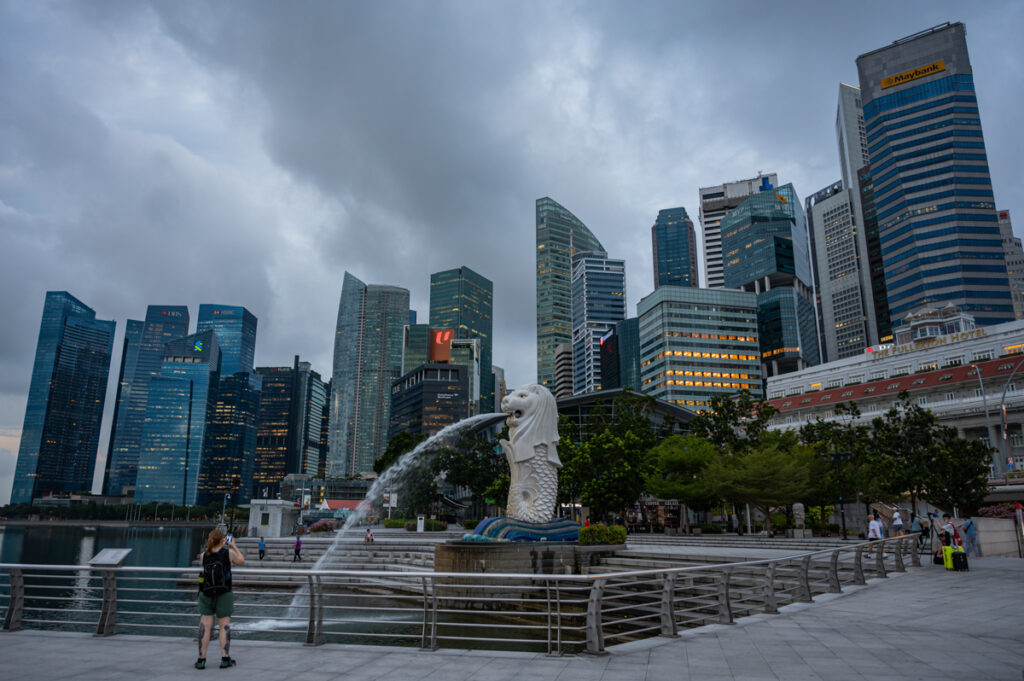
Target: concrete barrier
(997,537)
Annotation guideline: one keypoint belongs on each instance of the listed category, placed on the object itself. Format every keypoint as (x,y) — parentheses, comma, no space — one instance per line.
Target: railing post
(858,566)
(771,605)
(312,631)
(805,580)
(915,554)
(724,607)
(433,618)
(668,609)
(834,586)
(426,614)
(880,560)
(108,612)
(16,603)
(899,567)
(595,631)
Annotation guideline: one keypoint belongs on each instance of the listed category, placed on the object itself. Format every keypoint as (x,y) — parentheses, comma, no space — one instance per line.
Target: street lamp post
(988,421)
(1002,414)
(223,509)
(837,457)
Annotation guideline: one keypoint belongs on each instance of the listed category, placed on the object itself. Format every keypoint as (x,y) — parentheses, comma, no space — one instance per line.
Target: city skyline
(193,140)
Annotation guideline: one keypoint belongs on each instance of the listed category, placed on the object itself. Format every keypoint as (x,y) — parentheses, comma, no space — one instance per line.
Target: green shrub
(395,523)
(470,524)
(429,525)
(710,529)
(602,534)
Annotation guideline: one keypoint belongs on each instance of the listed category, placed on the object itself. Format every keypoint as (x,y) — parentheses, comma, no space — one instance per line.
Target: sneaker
(201,663)
(227,662)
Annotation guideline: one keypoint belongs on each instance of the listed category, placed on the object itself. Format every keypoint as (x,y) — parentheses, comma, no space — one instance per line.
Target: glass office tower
(367,359)
(227,461)
(141,360)
(462,300)
(620,356)
(559,235)
(765,251)
(675,249)
(933,199)
(61,430)
(598,302)
(235,327)
(181,402)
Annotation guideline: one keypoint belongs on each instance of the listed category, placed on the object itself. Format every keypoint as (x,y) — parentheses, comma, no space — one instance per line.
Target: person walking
(298,550)
(926,531)
(915,527)
(215,596)
(897,523)
(263,547)
(970,528)
(874,532)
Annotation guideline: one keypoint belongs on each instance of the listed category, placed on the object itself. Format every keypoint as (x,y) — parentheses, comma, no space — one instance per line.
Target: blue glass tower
(463,300)
(228,456)
(933,201)
(61,431)
(141,360)
(675,249)
(235,327)
(180,404)
(598,302)
(765,251)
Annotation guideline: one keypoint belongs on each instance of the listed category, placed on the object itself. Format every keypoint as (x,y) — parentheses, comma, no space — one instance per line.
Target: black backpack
(216,577)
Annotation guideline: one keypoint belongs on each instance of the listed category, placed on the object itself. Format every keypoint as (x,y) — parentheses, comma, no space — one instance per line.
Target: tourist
(298,549)
(215,596)
(897,523)
(915,528)
(874,531)
(970,528)
(368,539)
(263,547)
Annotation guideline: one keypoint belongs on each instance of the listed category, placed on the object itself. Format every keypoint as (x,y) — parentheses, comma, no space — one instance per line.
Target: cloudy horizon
(249,153)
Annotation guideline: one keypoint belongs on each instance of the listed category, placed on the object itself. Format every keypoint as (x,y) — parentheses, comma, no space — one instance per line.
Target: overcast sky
(249,153)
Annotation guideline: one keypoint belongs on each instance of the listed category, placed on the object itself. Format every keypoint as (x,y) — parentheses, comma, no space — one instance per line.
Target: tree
(903,448)
(772,472)
(474,463)
(957,475)
(416,481)
(616,472)
(676,471)
(734,422)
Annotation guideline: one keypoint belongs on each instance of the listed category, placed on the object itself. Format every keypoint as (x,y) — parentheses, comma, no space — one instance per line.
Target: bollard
(899,566)
(858,566)
(834,587)
(805,580)
(880,561)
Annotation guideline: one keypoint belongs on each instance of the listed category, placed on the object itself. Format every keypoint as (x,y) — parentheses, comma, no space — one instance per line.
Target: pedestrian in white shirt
(897,523)
(874,531)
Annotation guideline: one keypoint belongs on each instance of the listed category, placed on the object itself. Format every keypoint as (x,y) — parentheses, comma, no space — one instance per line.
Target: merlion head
(532,414)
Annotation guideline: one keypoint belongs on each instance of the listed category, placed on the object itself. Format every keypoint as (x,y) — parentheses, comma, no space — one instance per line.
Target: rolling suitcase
(960,560)
(947,557)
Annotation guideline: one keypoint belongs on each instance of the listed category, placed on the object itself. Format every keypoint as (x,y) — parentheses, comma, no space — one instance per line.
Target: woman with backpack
(215,596)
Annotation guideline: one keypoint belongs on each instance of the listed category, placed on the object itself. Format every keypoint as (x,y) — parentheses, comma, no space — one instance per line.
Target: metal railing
(552,613)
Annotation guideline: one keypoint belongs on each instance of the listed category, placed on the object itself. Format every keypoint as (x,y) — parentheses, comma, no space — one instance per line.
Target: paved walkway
(926,624)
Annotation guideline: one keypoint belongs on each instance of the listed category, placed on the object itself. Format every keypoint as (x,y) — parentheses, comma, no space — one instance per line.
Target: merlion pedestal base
(511,529)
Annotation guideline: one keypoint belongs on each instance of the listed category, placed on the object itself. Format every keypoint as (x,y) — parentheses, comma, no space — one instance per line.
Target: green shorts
(225,604)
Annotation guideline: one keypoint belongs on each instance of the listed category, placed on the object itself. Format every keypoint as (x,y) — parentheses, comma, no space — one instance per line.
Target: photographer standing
(215,595)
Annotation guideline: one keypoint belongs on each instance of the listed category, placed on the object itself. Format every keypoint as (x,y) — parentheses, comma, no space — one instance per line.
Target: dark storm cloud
(249,153)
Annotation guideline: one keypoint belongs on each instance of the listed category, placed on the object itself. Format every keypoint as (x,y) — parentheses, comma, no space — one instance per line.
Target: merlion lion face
(531,409)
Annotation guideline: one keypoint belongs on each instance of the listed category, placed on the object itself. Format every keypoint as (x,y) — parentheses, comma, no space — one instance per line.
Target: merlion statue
(532,453)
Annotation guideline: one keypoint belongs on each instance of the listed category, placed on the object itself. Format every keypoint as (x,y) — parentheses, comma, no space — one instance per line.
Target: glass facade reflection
(235,327)
(181,402)
(598,302)
(61,430)
(429,398)
(141,360)
(559,235)
(674,244)
(227,461)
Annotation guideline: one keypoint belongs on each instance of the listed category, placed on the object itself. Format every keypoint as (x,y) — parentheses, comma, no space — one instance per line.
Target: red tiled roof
(346,504)
(912,383)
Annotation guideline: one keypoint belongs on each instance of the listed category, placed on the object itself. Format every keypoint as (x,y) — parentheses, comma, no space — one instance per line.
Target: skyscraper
(933,199)
(559,235)
(698,343)
(227,462)
(765,251)
(462,300)
(180,404)
(141,359)
(715,202)
(563,371)
(843,302)
(429,398)
(598,302)
(367,359)
(61,431)
(235,327)
(620,356)
(675,249)
(1014,262)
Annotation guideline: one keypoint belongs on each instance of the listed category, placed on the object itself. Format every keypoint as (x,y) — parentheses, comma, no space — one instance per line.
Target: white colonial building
(937,357)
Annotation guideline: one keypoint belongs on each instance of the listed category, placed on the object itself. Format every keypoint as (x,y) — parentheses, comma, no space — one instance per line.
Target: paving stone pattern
(925,624)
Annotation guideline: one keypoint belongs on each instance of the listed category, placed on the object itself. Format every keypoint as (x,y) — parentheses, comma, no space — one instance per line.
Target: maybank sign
(914,74)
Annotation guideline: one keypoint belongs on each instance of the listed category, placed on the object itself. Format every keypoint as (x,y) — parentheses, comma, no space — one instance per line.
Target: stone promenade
(926,624)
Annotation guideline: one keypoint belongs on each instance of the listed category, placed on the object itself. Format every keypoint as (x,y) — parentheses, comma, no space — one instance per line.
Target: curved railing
(546,612)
